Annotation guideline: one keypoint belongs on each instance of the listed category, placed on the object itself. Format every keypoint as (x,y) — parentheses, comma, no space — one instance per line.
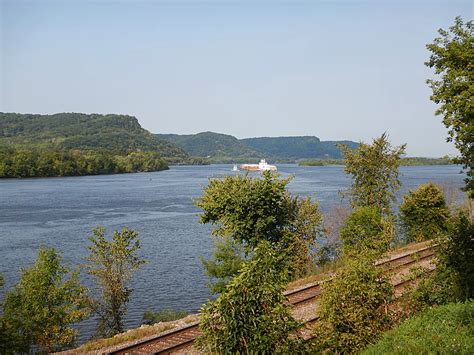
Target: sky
(333,69)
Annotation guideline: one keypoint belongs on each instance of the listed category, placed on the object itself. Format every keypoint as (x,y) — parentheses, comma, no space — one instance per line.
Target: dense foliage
(306,147)
(250,316)
(23,163)
(406,161)
(366,228)
(452,57)
(453,279)
(354,306)
(305,233)
(65,131)
(225,262)
(321,162)
(223,148)
(456,253)
(112,263)
(374,170)
(164,315)
(249,210)
(419,161)
(39,311)
(424,213)
(445,329)
(210,144)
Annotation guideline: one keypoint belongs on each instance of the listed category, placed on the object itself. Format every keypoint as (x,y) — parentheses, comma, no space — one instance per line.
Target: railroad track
(176,339)
(308,292)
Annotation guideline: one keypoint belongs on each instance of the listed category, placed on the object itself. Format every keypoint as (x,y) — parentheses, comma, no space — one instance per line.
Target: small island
(407,161)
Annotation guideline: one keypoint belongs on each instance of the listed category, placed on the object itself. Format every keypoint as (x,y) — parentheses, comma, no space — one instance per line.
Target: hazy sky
(334,69)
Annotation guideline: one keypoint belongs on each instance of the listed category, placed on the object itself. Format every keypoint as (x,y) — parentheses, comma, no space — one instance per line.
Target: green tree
(112,264)
(424,213)
(225,262)
(41,308)
(250,315)
(354,306)
(457,253)
(305,231)
(248,210)
(374,170)
(452,57)
(366,228)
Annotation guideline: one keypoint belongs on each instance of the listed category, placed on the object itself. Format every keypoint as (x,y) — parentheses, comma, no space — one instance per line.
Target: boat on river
(261,166)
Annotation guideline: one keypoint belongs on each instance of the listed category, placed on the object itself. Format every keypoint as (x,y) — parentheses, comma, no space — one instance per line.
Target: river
(61,212)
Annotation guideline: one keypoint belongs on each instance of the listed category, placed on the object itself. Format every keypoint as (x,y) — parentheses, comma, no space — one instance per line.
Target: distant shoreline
(408,161)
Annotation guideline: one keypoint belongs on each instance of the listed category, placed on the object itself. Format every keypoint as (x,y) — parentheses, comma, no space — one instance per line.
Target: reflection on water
(61,212)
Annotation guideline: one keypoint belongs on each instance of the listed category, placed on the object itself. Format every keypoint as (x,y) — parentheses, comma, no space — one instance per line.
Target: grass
(447,329)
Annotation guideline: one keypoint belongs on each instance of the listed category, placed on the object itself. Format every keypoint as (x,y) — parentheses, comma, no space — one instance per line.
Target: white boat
(261,166)
(235,168)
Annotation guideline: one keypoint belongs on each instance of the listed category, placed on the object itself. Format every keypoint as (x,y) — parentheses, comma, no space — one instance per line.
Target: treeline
(407,161)
(27,163)
(417,161)
(321,162)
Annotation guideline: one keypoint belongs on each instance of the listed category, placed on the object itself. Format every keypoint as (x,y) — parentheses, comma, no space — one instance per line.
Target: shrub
(303,232)
(164,315)
(250,314)
(224,264)
(248,210)
(354,306)
(445,329)
(456,253)
(454,277)
(424,213)
(112,264)
(374,170)
(365,228)
(40,310)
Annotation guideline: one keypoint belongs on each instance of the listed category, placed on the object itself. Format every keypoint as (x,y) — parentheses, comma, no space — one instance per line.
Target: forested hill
(303,147)
(68,131)
(222,147)
(210,144)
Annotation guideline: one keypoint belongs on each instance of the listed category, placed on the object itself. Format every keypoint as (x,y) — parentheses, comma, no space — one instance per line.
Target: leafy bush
(112,264)
(224,264)
(453,279)
(374,170)
(365,228)
(304,230)
(424,213)
(250,210)
(164,315)
(447,329)
(250,314)
(354,307)
(40,310)
(456,253)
